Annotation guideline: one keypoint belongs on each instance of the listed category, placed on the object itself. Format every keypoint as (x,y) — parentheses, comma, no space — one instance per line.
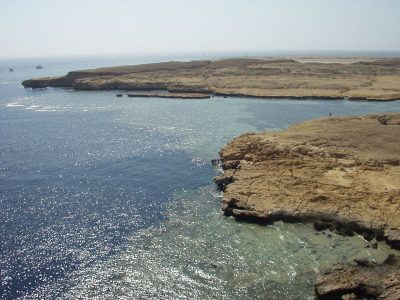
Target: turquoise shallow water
(104,197)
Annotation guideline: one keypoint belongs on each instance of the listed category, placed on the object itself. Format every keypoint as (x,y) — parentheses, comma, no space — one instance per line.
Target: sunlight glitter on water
(85,188)
(199,254)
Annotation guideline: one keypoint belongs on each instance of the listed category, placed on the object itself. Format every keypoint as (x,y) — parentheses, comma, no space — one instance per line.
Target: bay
(104,197)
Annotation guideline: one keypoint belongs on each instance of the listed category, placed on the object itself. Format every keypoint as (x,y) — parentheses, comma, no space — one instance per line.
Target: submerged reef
(362,280)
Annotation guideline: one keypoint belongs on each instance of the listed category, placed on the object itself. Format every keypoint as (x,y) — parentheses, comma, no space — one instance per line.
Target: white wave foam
(14,105)
(8,82)
(32,107)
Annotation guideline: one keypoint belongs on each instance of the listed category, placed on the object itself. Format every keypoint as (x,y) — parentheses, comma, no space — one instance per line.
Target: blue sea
(113,198)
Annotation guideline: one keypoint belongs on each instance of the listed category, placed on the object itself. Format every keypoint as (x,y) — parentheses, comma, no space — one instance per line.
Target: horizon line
(200,53)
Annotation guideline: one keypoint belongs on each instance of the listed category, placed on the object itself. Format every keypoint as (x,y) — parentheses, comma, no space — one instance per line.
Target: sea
(113,198)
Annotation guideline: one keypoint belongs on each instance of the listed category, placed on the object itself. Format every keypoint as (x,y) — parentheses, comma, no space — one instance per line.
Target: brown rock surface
(340,173)
(365,280)
(370,79)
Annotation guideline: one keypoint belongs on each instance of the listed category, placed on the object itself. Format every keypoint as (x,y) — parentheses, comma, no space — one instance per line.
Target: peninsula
(335,78)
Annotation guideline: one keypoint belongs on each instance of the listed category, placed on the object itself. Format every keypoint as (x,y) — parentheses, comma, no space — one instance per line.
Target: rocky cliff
(339,173)
(376,79)
(362,280)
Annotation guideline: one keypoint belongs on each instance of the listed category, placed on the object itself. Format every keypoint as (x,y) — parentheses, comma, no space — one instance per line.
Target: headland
(338,173)
(341,173)
(299,78)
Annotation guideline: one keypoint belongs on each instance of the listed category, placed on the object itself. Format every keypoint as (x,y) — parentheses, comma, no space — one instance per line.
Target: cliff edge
(361,280)
(341,173)
(368,79)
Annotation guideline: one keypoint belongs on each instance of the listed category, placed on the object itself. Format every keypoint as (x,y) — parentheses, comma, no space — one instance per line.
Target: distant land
(303,77)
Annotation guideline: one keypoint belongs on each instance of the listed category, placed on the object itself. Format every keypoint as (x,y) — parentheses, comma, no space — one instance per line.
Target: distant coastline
(376,79)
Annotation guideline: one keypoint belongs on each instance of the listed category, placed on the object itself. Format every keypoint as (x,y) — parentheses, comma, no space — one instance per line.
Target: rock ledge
(362,280)
(338,173)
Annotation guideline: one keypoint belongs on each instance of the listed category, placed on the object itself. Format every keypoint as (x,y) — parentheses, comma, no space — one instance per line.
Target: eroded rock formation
(339,173)
(363,280)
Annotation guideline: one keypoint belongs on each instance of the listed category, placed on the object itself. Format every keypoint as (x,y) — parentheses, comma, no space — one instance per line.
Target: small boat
(119,95)
(39,67)
(11,69)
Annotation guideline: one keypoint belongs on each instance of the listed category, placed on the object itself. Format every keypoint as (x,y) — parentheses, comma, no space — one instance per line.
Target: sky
(30,28)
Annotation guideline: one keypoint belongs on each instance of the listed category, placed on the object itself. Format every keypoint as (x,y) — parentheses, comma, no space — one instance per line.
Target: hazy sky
(59,27)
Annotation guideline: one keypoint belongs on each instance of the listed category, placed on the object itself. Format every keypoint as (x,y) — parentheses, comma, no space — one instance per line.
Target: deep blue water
(88,181)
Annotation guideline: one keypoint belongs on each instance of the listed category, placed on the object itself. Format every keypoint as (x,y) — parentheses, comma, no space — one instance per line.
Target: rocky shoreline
(340,173)
(361,280)
(368,79)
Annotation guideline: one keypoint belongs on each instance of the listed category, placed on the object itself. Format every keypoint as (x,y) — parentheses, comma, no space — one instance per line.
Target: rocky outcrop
(277,78)
(362,280)
(339,173)
(44,82)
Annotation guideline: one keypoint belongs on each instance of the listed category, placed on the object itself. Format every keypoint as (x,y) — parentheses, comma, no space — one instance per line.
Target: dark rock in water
(374,245)
(216,161)
(119,95)
(363,262)
(39,67)
(177,95)
(365,280)
(11,69)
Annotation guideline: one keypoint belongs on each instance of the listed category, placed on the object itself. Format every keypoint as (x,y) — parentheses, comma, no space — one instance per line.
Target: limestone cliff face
(340,173)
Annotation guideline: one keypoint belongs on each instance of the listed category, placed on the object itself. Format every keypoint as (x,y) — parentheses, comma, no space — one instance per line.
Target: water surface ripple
(104,197)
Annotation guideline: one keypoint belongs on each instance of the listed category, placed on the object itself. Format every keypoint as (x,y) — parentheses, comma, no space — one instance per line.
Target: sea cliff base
(339,173)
